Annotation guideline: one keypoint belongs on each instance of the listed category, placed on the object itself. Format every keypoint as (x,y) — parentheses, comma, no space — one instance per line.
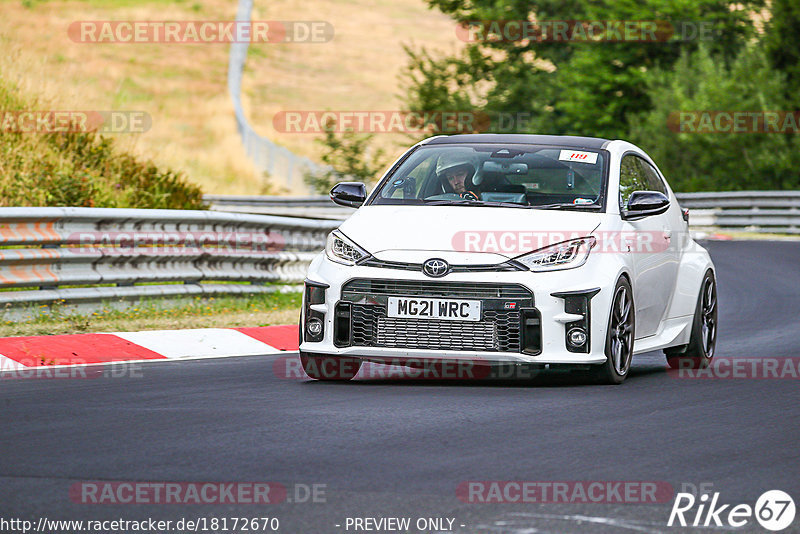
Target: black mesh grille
(499,331)
(508,329)
(423,334)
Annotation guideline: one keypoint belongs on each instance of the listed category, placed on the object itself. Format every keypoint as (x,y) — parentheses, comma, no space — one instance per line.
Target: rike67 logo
(774,510)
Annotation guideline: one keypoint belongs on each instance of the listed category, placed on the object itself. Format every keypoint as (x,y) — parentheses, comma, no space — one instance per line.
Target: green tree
(700,81)
(782,50)
(568,87)
(346,156)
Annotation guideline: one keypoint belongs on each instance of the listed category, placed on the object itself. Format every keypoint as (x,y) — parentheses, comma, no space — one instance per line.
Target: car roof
(569,141)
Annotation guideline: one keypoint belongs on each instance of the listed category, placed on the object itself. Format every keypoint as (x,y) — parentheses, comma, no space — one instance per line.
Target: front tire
(619,336)
(329,368)
(703,341)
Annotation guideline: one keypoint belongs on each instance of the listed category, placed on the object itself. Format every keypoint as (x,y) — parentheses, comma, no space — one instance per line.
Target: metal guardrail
(746,211)
(130,253)
(752,211)
(316,207)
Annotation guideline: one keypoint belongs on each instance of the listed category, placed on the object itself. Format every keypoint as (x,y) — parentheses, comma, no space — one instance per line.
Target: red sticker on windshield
(576,155)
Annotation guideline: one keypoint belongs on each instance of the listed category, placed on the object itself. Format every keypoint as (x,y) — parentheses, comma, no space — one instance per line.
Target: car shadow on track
(378,375)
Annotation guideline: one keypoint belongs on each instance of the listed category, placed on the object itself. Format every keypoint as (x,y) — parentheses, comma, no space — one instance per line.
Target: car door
(654,255)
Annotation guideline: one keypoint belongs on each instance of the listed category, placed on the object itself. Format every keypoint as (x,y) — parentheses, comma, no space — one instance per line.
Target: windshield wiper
(451,201)
(465,202)
(570,205)
(508,205)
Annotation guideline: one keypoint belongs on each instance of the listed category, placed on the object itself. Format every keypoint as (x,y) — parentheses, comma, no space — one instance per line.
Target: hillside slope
(184,87)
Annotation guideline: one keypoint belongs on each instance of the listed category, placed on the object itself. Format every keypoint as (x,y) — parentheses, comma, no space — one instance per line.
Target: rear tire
(329,368)
(619,337)
(702,343)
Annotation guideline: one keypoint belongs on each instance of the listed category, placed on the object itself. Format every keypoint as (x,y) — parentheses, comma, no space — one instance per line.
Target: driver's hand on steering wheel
(468,195)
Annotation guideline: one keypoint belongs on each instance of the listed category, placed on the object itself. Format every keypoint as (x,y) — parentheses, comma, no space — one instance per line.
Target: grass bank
(78,168)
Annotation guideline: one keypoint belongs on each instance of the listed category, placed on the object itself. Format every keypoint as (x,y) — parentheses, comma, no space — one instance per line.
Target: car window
(654,182)
(631,178)
(635,174)
(529,175)
(409,187)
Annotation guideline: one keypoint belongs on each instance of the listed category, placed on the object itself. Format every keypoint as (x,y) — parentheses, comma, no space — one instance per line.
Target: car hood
(462,234)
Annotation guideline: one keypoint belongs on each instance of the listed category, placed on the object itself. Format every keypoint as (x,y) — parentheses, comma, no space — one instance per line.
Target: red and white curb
(18,353)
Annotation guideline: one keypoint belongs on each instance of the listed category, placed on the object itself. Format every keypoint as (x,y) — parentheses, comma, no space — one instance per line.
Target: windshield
(498,175)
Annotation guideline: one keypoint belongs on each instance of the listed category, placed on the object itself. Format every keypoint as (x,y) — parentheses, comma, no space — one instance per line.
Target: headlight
(564,255)
(342,250)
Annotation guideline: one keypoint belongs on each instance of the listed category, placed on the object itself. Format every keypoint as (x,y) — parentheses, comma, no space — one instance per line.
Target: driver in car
(454,174)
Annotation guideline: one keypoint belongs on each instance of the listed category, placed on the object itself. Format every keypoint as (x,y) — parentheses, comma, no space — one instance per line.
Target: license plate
(422,308)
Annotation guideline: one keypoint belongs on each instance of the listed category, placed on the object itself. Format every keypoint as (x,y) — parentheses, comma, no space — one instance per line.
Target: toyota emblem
(435,268)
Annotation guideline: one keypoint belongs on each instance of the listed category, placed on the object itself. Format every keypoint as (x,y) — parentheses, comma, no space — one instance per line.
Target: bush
(82,169)
(718,161)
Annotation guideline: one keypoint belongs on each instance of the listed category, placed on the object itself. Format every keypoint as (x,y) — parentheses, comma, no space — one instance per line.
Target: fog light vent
(314,327)
(577,332)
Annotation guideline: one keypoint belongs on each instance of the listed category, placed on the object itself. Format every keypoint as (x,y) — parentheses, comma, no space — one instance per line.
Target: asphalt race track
(400,448)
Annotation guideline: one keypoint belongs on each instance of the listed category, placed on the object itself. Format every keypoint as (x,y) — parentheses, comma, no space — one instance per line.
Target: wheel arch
(694,265)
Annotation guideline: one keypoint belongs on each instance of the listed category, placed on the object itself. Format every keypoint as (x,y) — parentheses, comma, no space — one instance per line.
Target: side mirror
(645,203)
(350,194)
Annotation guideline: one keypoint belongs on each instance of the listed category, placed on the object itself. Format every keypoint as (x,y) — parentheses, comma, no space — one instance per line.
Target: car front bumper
(555,304)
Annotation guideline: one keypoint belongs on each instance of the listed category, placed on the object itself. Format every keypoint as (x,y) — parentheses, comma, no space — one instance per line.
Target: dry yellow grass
(184,87)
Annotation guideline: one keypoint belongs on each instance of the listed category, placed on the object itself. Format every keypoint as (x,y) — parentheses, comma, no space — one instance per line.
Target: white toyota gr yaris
(539,251)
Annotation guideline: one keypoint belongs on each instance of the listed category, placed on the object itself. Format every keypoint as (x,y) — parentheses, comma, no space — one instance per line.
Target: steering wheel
(469,195)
